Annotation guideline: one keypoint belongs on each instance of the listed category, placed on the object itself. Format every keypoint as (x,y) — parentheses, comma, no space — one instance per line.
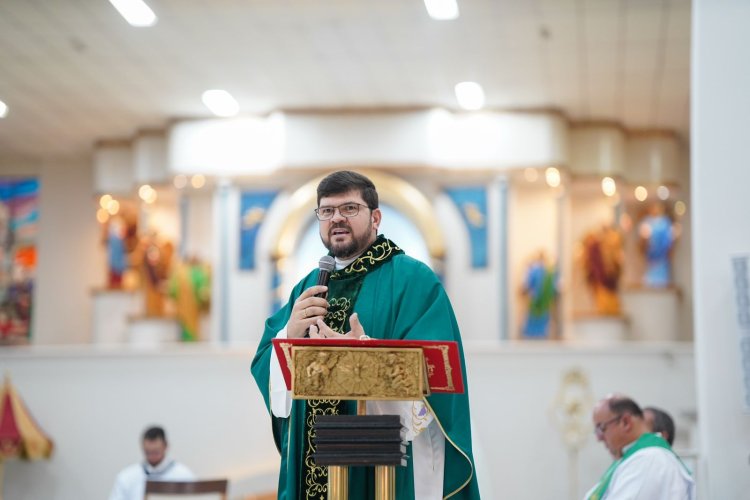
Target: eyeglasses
(346,210)
(601,428)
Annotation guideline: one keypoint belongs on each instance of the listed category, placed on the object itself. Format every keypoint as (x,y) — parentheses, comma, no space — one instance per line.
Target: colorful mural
(19,216)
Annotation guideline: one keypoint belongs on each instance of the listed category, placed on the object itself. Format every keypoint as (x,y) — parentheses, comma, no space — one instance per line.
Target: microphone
(325,267)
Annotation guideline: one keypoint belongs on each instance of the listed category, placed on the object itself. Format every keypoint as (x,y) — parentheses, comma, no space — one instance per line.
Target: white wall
(720,181)
(95,403)
(71,256)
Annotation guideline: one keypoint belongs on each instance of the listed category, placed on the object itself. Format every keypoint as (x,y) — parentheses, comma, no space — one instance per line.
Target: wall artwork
(19,216)
(472,204)
(253,208)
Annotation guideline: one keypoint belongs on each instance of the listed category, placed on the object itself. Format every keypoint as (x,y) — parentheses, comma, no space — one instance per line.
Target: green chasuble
(397,298)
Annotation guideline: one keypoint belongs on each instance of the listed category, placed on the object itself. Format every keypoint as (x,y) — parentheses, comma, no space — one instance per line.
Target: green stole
(343,289)
(645,441)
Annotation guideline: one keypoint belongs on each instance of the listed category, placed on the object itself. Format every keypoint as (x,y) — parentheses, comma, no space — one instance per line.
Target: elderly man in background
(645,467)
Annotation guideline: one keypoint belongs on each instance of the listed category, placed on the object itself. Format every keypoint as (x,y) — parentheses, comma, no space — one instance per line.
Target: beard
(356,246)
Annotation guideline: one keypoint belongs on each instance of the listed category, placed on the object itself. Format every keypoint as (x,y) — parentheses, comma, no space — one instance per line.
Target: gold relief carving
(357,373)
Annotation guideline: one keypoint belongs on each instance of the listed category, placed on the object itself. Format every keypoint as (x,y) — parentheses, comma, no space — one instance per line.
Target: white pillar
(721,205)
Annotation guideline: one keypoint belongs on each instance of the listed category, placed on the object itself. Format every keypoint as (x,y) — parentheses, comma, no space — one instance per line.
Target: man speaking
(379,292)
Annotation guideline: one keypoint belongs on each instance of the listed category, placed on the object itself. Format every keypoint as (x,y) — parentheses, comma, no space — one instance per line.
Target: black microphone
(325,267)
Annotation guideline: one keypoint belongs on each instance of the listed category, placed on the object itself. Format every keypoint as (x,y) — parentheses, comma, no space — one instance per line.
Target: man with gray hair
(645,467)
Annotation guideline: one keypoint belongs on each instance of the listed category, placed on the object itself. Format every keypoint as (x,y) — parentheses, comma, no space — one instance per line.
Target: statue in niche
(602,262)
(120,239)
(117,255)
(540,286)
(190,288)
(657,235)
(153,259)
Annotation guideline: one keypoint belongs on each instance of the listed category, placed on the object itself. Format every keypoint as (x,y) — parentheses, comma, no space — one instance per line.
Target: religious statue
(153,259)
(540,286)
(120,240)
(117,256)
(658,235)
(190,287)
(602,261)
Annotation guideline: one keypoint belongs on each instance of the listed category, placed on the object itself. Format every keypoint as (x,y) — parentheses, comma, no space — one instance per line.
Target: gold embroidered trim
(316,479)
(456,447)
(378,252)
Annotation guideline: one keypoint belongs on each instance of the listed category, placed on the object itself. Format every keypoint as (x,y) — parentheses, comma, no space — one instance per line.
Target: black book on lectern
(359,440)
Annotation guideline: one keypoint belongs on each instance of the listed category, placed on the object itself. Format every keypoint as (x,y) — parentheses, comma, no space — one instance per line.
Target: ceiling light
(198,181)
(105,200)
(641,193)
(135,12)
(442,10)
(680,208)
(470,95)
(662,192)
(3,109)
(609,187)
(220,102)
(552,176)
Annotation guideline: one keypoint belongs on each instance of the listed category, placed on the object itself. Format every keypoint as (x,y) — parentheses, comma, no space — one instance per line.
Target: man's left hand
(321,330)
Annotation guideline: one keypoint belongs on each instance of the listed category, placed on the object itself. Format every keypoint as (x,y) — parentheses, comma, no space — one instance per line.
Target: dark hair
(663,423)
(154,433)
(622,405)
(344,181)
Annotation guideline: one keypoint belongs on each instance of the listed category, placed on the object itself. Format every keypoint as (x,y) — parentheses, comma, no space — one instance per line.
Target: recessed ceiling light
(442,10)
(3,109)
(470,95)
(135,12)
(609,186)
(220,102)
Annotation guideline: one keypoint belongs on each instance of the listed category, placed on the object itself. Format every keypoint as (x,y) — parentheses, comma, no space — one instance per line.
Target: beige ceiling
(73,71)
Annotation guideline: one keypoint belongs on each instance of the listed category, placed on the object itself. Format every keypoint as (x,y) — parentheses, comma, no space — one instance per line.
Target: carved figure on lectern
(602,261)
(658,234)
(540,287)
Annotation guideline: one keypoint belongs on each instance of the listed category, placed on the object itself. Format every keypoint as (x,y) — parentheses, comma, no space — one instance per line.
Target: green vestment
(400,299)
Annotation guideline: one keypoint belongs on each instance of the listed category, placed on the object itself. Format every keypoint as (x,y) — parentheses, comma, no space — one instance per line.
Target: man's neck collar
(342,263)
(166,462)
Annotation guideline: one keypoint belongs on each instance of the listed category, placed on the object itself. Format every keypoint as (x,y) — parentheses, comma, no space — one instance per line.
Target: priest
(644,466)
(375,291)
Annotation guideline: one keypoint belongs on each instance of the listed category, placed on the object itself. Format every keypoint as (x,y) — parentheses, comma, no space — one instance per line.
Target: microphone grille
(327,263)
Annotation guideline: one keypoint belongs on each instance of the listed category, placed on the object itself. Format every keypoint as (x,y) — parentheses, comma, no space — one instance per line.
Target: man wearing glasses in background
(376,291)
(645,467)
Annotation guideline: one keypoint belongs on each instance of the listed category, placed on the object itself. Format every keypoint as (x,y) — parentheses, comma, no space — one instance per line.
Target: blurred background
(571,169)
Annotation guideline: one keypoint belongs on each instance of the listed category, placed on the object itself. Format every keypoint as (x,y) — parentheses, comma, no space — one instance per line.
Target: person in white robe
(130,483)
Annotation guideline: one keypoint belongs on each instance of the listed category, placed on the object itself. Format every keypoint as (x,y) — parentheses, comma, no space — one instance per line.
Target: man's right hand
(306,311)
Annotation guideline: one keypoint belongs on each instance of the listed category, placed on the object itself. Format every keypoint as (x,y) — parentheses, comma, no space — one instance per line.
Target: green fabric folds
(400,298)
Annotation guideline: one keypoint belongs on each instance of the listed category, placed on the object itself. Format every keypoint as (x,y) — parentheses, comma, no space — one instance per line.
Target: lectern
(365,370)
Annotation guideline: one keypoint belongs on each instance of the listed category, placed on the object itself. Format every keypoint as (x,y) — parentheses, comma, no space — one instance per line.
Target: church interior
(572,170)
